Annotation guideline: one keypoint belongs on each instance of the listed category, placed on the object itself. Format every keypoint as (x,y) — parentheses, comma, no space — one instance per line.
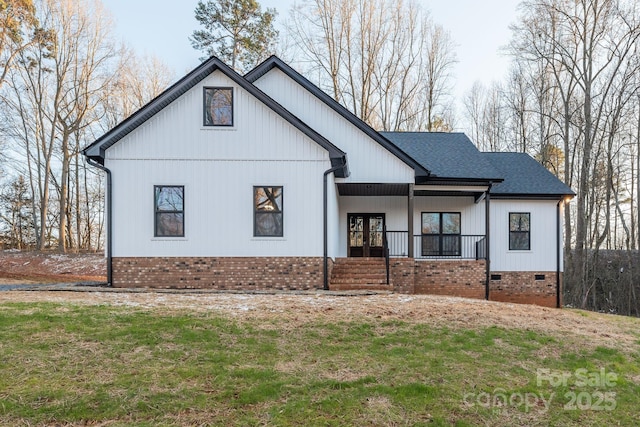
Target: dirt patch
(298,309)
(41,267)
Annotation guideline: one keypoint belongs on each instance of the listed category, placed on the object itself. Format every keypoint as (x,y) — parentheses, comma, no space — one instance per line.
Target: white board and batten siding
(218,168)
(369,162)
(542,255)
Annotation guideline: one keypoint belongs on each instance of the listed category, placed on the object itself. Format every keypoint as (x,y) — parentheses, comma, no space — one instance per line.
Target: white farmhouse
(263,181)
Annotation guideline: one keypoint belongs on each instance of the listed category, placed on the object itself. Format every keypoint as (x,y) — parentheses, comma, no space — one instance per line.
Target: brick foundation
(523,288)
(467,278)
(255,273)
(402,275)
(453,278)
(464,278)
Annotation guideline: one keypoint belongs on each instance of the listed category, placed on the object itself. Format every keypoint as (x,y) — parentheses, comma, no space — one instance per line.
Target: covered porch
(437,222)
(430,238)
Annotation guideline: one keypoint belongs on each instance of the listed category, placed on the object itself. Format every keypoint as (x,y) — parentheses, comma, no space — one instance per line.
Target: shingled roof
(453,157)
(525,177)
(449,156)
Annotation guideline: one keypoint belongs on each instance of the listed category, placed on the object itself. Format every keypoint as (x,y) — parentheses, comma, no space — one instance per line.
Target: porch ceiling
(370,189)
(448,193)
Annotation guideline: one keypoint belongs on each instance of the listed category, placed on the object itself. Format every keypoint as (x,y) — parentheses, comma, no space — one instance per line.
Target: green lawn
(102,365)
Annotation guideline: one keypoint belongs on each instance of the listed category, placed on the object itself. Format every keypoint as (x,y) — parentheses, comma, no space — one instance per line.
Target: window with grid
(441,234)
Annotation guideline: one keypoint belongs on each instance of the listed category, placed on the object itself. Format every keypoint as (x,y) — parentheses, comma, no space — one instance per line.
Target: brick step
(360,273)
(359,287)
(361,280)
(350,274)
(360,261)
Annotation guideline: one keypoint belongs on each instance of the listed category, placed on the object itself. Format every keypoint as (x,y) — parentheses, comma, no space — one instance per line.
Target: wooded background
(571,100)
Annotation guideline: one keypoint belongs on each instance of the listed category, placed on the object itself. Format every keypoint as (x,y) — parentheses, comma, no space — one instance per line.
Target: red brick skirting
(467,278)
(524,287)
(255,273)
(454,278)
(463,278)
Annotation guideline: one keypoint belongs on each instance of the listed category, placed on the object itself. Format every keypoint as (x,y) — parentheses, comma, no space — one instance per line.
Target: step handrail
(385,248)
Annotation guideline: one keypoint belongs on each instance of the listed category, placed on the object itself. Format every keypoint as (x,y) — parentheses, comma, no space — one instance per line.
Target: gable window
(519,231)
(169,211)
(218,106)
(441,234)
(267,208)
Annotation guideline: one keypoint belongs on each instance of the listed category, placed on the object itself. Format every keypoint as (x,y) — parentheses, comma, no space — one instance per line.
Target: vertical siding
(368,160)
(218,168)
(218,207)
(177,132)
(542,256)
(333,218)
(472,215)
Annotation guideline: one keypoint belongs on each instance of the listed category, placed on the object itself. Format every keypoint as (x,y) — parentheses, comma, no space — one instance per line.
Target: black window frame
(205,112)
(157,212)
(441,236)
(257,212)
(520,232)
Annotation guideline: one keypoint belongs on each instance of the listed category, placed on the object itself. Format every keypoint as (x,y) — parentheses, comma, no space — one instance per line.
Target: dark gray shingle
(446,155)
(523,175)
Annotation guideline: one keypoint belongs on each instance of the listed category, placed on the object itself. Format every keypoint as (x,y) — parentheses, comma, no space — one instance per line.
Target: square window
(519,231)
(267,208)
(169,211)
(218,106)
(441,234)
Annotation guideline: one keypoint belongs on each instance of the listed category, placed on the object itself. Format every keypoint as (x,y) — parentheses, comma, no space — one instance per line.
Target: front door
(366,235)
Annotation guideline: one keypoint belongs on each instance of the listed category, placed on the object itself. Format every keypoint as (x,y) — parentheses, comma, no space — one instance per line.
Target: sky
(479,29)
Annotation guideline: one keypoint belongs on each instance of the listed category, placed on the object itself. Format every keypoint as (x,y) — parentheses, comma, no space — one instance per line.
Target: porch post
(487,205)
(410,222)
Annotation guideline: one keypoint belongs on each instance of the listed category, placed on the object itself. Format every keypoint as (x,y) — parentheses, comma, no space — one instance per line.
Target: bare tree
(82,53)
(587,47)
(385,61)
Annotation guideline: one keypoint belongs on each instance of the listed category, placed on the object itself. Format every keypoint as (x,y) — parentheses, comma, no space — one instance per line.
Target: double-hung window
(519,231)
(218,106)
(441,234)
(267,212)
(169,211)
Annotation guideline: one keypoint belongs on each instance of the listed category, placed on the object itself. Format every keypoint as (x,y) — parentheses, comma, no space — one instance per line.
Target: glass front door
(366,235)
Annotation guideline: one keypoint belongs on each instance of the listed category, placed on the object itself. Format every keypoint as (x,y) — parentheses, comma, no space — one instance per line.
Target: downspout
(108,220)
(558,249)
(487,205)
(326,227)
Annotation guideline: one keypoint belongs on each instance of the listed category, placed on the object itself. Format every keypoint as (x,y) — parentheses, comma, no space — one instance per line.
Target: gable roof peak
(96,151)
(274,62)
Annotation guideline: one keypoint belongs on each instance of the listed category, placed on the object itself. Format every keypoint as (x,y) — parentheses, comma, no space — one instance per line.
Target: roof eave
(436,180)
(536,196)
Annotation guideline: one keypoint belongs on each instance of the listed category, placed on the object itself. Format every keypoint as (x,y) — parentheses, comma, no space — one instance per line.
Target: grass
(77,365)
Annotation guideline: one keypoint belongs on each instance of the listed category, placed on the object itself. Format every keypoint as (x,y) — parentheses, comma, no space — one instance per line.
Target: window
(519,231)
(218,106)
(169,211)
(440,234)
(267,217)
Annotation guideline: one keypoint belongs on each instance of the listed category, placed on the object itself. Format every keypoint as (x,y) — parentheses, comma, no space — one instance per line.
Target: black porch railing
(385,245)
(452,246)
